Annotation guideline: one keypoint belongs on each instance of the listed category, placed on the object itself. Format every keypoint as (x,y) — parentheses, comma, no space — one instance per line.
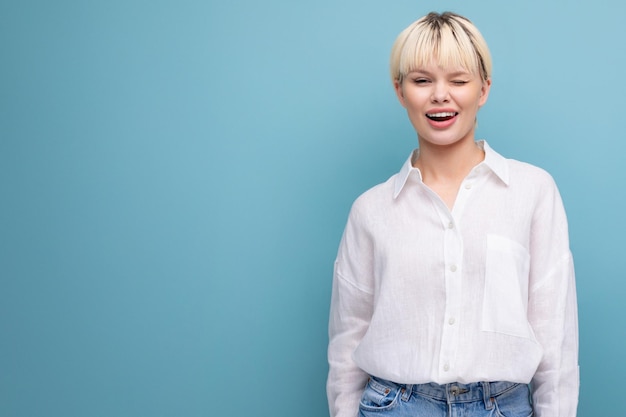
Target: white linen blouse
(484,292)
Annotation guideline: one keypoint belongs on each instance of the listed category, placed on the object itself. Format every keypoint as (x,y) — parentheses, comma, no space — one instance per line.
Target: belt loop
(487,396)
(406,392)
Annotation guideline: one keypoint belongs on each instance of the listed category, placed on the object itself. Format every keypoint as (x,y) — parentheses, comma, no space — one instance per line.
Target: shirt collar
(493,160)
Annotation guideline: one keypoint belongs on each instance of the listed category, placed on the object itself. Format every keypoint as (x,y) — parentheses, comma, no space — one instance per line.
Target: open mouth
(441,117)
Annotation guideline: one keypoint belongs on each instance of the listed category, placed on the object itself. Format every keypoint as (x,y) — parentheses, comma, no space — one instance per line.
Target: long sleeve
(553,310)
(350,313)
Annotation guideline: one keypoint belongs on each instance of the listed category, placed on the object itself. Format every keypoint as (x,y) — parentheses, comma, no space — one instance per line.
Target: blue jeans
(383,398)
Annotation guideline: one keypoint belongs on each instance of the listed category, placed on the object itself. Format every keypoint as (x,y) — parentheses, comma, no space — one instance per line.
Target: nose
(441,93)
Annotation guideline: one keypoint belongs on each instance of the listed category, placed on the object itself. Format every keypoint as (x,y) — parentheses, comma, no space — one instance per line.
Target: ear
(397,85)
(484,92)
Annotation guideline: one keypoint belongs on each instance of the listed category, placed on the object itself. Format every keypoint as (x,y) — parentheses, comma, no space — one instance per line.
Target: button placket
(453,258)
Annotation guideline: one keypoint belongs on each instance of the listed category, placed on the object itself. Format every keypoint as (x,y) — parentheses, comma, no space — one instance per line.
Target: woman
(453,291)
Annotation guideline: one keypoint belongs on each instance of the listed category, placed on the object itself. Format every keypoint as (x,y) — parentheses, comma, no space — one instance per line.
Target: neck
(448,163)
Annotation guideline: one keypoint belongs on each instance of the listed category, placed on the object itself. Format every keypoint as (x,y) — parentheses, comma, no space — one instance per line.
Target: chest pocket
(505,301)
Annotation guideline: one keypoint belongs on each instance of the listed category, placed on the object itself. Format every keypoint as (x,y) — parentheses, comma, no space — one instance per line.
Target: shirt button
(468,186)
(453,268)
(451,321)
(446,367)
(451,225)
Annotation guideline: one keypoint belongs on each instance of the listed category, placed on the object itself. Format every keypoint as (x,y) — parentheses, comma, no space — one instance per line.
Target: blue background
(175,178)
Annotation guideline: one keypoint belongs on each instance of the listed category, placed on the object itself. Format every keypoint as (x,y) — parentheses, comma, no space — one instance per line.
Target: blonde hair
(447,39)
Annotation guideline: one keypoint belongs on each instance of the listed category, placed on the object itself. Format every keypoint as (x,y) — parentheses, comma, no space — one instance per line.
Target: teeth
(443,114)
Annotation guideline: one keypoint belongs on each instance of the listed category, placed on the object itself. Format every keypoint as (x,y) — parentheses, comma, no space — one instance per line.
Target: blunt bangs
(448,40)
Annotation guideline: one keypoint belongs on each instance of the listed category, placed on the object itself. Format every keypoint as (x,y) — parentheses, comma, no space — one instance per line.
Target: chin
(447,138)
(444,141)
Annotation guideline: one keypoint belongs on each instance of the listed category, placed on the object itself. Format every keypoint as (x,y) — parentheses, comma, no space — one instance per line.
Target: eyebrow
(452,74)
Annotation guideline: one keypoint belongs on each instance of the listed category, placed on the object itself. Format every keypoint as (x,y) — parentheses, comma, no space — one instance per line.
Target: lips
(441,118)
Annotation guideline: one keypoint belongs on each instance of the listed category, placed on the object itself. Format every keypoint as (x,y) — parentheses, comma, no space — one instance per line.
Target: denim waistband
(454,392)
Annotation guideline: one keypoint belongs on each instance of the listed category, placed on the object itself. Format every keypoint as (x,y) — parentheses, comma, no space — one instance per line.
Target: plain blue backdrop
(175,178)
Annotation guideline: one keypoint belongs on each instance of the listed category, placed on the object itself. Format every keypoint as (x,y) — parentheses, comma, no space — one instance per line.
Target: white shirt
(484,292)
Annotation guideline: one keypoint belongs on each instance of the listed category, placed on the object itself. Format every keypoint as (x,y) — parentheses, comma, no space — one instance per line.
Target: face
(442,103)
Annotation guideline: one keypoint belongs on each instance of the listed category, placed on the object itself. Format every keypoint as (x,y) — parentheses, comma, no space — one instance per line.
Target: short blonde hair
(448,39)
